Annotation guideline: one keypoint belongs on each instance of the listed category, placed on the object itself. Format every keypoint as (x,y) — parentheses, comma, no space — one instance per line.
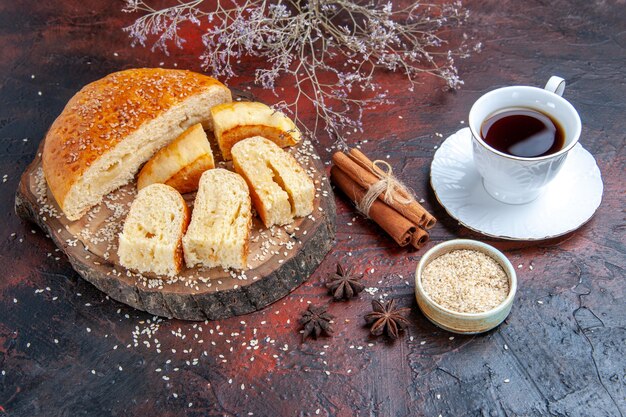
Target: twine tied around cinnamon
(392,188)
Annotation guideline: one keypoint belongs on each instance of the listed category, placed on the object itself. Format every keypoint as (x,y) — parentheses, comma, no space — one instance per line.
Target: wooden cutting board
(280,258)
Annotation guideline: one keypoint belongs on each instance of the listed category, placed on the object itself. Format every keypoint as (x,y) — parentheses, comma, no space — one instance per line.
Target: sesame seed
(466,280)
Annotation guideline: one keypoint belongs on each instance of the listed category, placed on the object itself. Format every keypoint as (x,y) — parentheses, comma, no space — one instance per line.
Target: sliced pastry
(279,186)
(181,163)
(220,223)
(154,227)
(236,121)
(111,127)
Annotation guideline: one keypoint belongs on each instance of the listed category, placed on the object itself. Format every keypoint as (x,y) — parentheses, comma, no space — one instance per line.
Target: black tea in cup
(523,132)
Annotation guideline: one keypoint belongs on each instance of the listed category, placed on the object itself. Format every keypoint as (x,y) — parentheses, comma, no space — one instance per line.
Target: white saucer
(567,203)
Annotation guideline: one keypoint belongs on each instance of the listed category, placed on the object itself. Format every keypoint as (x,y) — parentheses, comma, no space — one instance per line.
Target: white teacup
(513,179)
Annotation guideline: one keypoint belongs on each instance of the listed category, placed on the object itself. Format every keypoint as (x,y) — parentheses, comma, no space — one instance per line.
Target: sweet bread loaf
(220,223)
(154,227)
(240,120)
(113,125)
(181,163)
(279,186)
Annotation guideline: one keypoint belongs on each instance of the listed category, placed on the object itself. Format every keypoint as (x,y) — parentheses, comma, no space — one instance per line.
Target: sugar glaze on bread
(219,232)
(113,125)
(153,231)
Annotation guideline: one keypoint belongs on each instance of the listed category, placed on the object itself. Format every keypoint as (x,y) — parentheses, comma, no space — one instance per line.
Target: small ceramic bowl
(454,321)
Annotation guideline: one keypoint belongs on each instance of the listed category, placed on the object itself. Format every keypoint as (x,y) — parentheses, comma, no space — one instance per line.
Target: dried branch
(331,50)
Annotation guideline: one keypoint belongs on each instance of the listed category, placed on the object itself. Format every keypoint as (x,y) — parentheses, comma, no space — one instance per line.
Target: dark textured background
(561,351)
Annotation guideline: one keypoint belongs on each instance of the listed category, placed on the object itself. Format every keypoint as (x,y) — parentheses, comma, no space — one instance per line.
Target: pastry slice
(220,224)
(154,227)
(181,163)
(236,121)
(279,186)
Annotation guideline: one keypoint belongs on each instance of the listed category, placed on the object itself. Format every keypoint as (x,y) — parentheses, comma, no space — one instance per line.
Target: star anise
(387,319)
(343,284)
(316,321)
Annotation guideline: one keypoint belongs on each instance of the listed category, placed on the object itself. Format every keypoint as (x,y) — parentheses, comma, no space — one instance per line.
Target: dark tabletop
(66,349)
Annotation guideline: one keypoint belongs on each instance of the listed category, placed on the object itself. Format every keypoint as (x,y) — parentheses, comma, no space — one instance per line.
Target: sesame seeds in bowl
(465,286)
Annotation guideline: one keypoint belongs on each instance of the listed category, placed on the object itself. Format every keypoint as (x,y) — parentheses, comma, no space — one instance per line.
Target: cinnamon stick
(412,210)
(392,222)
(357,166)
(419,238)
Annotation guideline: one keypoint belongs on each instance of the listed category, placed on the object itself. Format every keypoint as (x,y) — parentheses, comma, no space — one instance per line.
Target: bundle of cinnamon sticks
(397,213)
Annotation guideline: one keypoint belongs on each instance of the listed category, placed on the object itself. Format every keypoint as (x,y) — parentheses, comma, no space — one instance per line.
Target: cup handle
(555,85)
